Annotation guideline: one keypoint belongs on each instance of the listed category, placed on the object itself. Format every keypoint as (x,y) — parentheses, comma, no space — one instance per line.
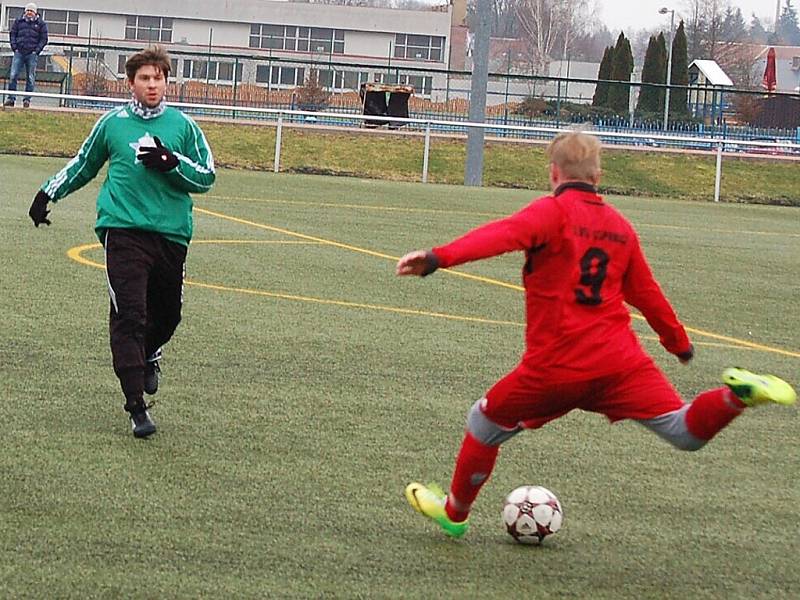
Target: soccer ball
(531,513)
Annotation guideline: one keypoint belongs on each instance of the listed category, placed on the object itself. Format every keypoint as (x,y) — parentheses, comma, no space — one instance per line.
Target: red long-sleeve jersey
(583,260)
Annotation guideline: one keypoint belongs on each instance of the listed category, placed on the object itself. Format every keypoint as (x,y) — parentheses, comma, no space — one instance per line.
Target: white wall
(222,34)
(266,11)
(370,44)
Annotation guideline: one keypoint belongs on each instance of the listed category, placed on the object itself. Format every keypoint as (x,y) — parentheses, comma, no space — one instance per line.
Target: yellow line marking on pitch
(406,209)
(319,240)
(76,254)
(282,242)
(379,307)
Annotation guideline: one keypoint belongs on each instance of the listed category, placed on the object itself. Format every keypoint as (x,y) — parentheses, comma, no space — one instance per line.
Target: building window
(225,71)
(280,76)
(262,74)
(327,41)
(422,84)
(796,63)
(212,70)
(291,76)
(148,29)
(83,54)
(297,39)
(343,80)
(268,36)
(12,14)
(59,22)
(419,47)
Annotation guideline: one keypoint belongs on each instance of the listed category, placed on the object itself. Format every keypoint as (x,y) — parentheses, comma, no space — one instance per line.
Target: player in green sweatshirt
(157,156)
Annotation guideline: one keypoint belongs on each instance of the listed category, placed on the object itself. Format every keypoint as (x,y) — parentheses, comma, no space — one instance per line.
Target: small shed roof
(712,71)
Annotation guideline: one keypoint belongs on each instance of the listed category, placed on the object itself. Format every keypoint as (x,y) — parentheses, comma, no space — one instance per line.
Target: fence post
(69,73)
(718,176)
(235,82)
(426,152)
(276,167)
(558,105)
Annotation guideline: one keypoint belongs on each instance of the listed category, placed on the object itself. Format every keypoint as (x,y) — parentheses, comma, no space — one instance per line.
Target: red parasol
(770,79)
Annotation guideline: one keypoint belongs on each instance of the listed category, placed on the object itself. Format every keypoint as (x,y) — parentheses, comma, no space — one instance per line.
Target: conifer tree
(621,69)
(787,27)
(654,70)
(680,75)
(600,98)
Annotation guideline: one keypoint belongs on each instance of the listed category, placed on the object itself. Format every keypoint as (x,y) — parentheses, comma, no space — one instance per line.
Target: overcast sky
(640,14)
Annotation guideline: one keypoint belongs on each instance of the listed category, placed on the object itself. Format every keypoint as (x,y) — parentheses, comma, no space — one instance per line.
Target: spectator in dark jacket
(28,38)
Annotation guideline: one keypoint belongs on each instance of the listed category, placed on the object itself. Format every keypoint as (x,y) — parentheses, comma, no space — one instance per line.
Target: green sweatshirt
(133,197)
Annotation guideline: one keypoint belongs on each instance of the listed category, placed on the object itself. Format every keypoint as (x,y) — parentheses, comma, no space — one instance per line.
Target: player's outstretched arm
(418,262)
(79,171)
(643,291)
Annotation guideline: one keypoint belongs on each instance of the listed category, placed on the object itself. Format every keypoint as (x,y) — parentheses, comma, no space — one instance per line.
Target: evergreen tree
(733,28)
(757,33)
(600,98)
(787,28)
(654,70)
(678,98)
(621,69)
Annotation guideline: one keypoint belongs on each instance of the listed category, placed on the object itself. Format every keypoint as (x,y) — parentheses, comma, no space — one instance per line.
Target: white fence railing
(424,127)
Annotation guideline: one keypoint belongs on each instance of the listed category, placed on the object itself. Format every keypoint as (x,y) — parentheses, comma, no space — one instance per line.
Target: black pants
(145,283)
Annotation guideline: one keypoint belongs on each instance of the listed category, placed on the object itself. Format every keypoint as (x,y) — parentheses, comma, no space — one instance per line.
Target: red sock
(473,466)
(711,412)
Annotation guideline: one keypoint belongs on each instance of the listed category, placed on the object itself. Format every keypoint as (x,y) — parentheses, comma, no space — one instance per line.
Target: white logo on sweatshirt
(146,141)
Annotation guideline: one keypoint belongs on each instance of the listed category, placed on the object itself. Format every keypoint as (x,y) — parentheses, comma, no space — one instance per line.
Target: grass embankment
(396,156)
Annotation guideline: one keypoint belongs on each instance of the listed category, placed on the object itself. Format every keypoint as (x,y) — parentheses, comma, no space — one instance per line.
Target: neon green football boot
(754,389)
(429,501)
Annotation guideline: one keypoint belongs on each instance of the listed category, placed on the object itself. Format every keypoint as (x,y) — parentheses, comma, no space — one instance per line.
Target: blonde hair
(577,156)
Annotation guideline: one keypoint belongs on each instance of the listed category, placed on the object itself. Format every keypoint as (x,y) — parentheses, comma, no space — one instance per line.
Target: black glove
(157,157)
(685,357)
(38,210)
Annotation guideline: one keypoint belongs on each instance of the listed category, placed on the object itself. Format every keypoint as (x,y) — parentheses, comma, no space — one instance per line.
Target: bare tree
(550,27)
(504,18)
(705,26)
(716,31)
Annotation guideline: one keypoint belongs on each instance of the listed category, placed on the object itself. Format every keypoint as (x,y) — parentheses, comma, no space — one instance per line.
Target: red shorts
(525,398)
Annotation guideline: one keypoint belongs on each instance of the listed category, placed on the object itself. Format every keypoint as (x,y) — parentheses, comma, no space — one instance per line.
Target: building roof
(712,72)
(781,52)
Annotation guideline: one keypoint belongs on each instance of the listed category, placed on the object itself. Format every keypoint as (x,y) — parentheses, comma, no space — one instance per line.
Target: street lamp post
(663,11)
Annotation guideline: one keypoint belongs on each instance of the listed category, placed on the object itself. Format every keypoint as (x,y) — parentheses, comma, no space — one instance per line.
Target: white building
(787,67)
(267,42)
(707,85)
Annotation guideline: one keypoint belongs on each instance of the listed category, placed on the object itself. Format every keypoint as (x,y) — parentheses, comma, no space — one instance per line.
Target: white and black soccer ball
(531,513)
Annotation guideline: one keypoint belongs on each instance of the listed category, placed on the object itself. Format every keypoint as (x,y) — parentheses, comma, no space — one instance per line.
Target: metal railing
(709,111)
(426,128)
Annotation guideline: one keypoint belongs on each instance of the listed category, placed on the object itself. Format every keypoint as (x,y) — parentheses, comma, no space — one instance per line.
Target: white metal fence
(424,127)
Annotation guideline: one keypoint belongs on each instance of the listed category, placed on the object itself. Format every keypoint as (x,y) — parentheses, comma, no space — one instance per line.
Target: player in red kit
(583,261)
